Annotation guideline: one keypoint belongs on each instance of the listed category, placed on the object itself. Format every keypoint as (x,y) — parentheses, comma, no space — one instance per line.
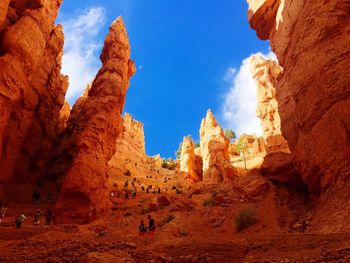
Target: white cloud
(240,102)
(81,49)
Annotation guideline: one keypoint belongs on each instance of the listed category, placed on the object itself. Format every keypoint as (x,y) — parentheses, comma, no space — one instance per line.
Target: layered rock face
(88,142)
(214,150)
(266,73)
(130,152)
(311,41)
(190,163)
(32,90)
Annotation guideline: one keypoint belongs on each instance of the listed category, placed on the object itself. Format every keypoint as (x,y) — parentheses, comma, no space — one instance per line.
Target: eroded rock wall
(130,152)
(88,142)
(32,90)
(266,73)
(311,40)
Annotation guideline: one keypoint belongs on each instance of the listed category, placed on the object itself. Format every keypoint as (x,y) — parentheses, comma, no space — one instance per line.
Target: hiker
(48,217)
(134,193)
(166,189)
(3,210)
(134,179)
(151,225)
(126,196)
(37,217)
(142,188)
(147,191)
(142,228)
(132,184)
(154,190)
(126,184)
(158,190)
(49,196)
(19,220)
(36,195)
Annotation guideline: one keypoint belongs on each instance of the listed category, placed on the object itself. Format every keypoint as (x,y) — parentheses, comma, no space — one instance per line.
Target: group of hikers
(151,229)
(36,196)
(133,191)
(21,217)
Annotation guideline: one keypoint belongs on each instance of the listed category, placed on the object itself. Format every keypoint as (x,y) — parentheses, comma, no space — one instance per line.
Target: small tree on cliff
(242,146)
(230,134)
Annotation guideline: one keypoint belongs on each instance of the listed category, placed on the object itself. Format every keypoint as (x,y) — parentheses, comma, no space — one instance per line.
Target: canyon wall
(311,40)
(32,91)
(88,142)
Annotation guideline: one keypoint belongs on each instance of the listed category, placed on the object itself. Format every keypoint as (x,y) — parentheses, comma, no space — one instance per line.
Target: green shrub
(167,219)
(169,164)
(128,213)
(245,218)
(208,202)
(144,210)
(214,194)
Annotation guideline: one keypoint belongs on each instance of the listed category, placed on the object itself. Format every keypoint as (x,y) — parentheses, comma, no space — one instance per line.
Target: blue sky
(191,55)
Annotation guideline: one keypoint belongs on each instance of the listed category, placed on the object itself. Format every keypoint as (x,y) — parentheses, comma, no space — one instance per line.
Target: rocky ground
(194,224)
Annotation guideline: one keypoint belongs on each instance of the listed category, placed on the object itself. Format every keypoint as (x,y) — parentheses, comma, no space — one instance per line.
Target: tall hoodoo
(93,127)
(190,163)
(311,41)
(32,90)
(266,73)
(214,150)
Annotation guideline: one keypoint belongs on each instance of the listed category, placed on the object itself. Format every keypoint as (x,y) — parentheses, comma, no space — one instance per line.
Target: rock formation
(130,152)
(32,90)
(214,150)
(190,163)
(266,73)
(88,142)
(311,41)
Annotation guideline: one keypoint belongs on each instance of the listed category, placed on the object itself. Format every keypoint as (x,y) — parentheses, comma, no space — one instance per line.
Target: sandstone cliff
(190,163)
(266,73)
(88,142)
(130,152)
(214,151)
(311,41)
(32,90)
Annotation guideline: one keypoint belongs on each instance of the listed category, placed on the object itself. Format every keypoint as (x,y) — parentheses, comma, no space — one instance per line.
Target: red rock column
(189,162)
(214,150)
(93,127)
